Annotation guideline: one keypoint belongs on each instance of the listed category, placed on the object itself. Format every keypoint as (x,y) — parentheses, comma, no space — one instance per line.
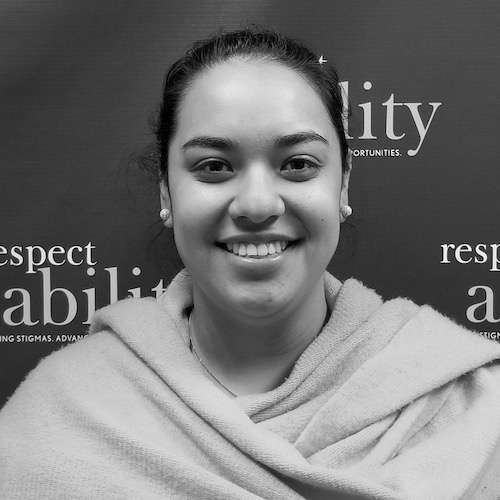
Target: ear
(165,203)
(344,191)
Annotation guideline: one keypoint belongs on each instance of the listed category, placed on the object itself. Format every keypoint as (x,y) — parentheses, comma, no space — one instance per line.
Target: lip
(257,265)
(254,260)
(257,238)
(250,245)
(256,268)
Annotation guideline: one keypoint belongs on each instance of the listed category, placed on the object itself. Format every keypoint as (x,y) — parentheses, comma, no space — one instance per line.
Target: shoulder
(363,298)
(62,407)
(83,365)
(39,420)
(72,369)
(128,341)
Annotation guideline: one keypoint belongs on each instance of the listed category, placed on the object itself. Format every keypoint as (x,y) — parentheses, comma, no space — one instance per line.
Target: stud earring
(346,211)
(164,214)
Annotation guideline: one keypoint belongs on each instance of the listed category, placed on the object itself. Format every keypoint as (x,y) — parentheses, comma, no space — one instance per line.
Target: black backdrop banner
(80,80)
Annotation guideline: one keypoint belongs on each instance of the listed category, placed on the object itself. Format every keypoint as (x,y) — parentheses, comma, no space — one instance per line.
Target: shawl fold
(391,401)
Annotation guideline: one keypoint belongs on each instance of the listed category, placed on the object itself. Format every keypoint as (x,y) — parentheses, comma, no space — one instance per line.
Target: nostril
(257,209)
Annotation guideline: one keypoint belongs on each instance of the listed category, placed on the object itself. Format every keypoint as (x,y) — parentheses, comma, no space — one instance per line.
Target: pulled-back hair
(248,45)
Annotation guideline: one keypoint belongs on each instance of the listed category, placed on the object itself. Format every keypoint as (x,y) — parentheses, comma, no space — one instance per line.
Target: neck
(249,355)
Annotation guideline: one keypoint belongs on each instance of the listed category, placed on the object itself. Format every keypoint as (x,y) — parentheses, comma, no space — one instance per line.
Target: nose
(257,198)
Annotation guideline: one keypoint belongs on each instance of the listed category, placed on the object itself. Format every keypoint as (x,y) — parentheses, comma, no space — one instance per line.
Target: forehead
(251,98)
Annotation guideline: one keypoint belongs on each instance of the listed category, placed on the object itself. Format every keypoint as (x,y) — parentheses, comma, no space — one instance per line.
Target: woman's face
(255,188)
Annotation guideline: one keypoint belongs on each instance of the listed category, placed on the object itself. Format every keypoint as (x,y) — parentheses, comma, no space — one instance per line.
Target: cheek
(322,211)
(327,232)
(190,224)
(327,225)
(195,212)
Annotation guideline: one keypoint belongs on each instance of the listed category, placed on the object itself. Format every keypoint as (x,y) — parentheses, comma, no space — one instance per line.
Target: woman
(257,374)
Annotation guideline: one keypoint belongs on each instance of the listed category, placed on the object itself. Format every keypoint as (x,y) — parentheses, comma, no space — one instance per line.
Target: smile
(257,250)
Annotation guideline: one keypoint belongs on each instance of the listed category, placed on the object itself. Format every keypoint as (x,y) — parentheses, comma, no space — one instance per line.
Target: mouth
(256,250)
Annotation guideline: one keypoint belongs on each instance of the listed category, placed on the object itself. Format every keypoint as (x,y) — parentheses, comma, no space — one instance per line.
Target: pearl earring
(164,214)
(346,211)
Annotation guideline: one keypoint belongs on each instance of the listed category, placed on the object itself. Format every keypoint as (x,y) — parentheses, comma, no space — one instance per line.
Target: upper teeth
(257,249)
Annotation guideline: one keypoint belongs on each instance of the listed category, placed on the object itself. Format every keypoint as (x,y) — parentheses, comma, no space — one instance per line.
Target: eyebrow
(205,141)
(221,143)
(299,138)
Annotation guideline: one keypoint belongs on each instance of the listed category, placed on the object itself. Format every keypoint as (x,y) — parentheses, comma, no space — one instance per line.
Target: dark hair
(247,44)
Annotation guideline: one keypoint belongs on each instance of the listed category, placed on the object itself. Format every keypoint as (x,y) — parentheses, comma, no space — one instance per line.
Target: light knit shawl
(391,401)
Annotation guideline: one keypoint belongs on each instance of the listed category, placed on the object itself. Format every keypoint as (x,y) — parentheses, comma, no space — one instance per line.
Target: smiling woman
(257,374)
(273,192)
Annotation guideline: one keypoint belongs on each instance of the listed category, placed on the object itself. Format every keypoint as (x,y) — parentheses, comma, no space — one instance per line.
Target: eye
(213,171)
(300,169)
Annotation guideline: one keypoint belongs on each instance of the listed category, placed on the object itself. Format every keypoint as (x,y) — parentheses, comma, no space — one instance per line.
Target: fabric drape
(390,401)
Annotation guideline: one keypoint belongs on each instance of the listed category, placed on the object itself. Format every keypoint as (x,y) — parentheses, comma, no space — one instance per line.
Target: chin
(261,301)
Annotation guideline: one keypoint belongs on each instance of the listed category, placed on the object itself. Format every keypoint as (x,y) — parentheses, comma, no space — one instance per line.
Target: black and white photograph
(249,250)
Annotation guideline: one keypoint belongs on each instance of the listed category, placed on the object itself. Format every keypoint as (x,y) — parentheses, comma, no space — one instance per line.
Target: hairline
(256,57)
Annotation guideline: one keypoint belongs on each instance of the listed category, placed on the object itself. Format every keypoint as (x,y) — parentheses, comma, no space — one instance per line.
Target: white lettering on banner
(482,253)
(25,306)
(375,152)
(59,250)
(71,299)
(465,254)
(367,113)
(490,335)
(37,256)
(389,121)
(390,105)
(15,253)
(34,338)
(488,304)
(48,293)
